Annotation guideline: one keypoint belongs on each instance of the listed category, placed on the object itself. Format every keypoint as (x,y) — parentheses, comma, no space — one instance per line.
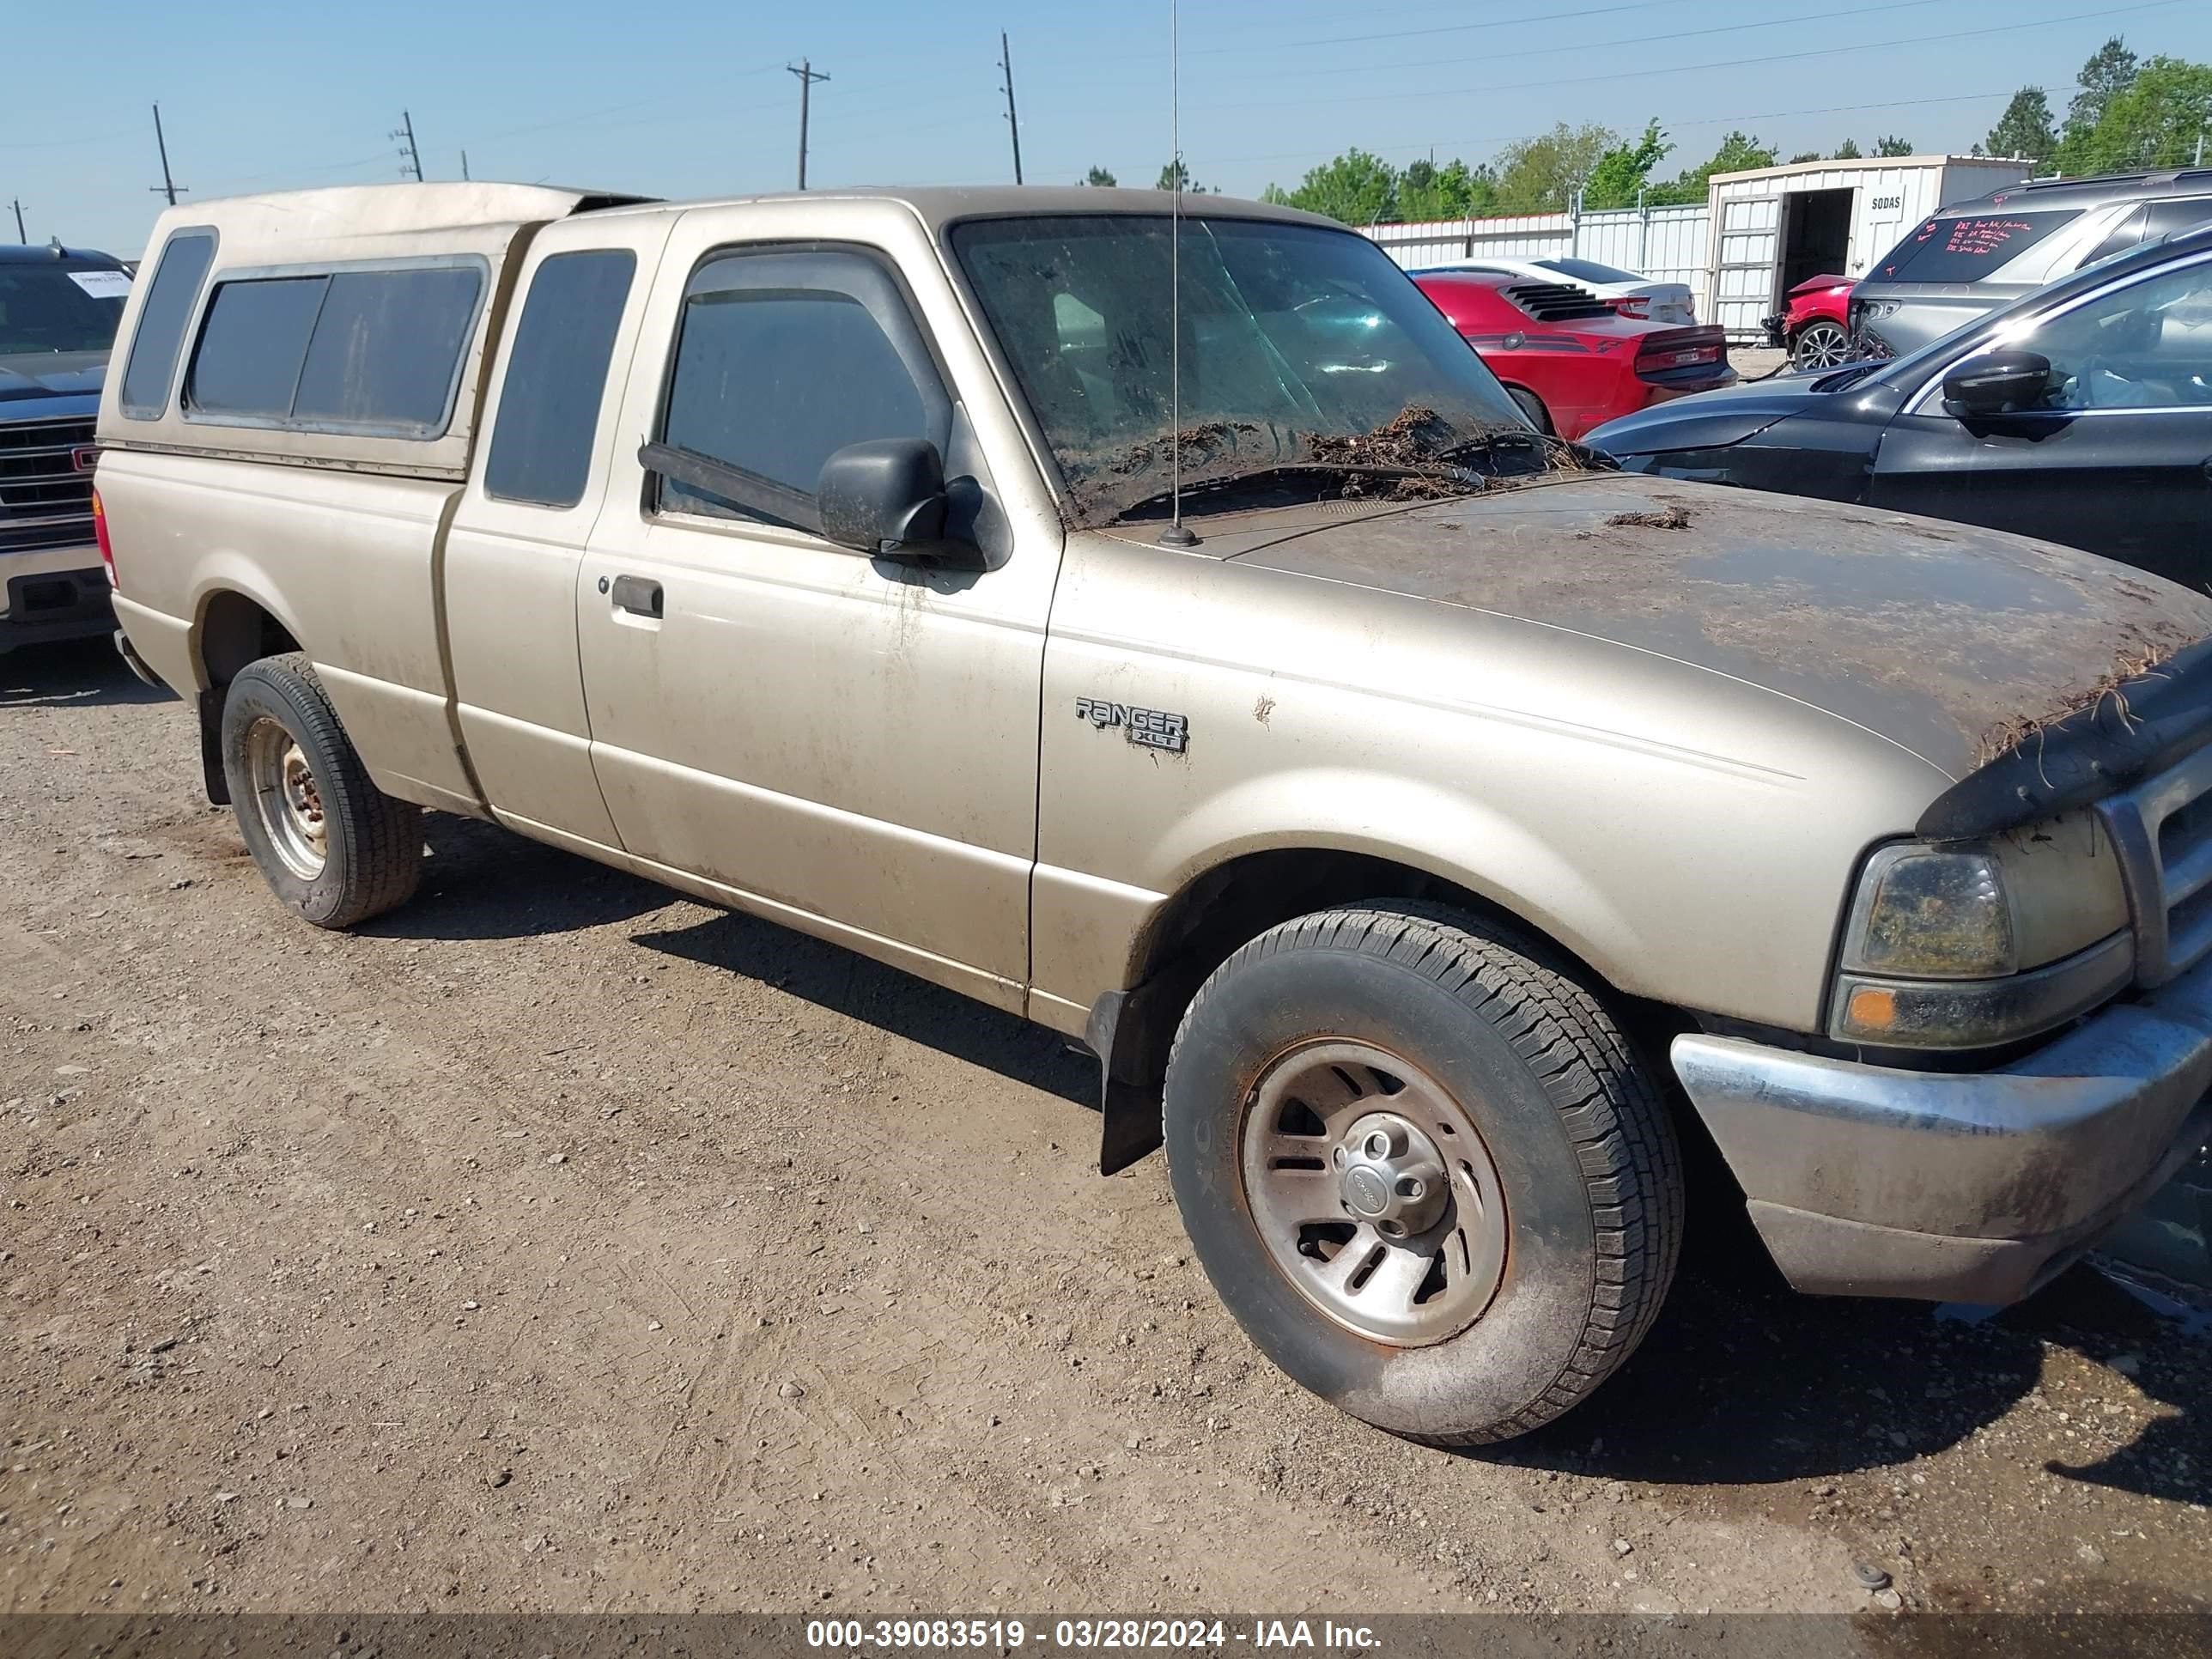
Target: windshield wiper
(1464,479)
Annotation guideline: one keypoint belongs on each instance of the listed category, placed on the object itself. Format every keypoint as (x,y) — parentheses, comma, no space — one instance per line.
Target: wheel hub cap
(1373,1193)
(1389,1173)
(287,799)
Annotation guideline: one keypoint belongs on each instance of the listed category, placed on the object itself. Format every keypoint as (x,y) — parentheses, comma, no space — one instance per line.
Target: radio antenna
(1177,534)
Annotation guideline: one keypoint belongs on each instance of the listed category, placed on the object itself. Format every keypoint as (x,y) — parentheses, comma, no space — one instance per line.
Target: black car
(2082,414)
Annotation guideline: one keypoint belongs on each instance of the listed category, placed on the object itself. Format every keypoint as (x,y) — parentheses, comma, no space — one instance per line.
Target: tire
(1821,343)
(1581,1198)
(1533,407)
(300,790)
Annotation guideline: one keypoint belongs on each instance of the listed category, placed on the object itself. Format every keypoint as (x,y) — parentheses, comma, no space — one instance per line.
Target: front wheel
(1533,407)
(1423,1170)
(333,846)
(1822,344)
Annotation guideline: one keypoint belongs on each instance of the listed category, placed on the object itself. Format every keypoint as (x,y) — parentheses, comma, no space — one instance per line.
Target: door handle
(638,595)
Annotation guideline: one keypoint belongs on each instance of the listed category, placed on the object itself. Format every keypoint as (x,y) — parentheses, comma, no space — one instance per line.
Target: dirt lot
(558,1244)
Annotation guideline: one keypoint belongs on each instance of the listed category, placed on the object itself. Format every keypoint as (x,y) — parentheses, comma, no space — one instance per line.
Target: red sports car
(1816,328)
(1570,360)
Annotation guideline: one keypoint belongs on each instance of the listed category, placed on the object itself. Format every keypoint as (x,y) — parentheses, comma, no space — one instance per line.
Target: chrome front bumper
(1969,1187)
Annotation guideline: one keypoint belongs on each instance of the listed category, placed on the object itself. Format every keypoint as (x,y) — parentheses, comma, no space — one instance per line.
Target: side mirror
(878,497)
(2001,382)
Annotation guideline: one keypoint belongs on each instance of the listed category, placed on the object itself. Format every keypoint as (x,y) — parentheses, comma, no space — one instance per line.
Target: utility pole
(410,157)
(19,236)
(804,68)
(464,167)
(1014,122)
(168,186)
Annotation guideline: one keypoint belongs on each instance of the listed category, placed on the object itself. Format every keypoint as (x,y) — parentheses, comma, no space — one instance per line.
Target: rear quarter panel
(343,559)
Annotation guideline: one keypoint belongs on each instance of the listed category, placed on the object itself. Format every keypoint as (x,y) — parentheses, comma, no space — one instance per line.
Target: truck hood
(51,374)
(1942,637)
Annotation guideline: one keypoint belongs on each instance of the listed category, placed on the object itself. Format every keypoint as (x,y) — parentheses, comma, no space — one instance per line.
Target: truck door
(822,737)
(511,555)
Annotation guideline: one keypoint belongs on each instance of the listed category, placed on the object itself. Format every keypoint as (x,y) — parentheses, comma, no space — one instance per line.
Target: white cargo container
(1772,227)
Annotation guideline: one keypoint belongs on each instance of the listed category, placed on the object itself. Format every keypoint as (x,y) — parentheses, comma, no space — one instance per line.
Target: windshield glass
(1589,270)
(1294,340)
(62,306)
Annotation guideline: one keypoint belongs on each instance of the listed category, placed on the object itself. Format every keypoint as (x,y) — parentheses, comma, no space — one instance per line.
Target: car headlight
(1966,946)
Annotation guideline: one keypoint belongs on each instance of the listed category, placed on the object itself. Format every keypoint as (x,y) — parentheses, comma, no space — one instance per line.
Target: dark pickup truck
(58,311)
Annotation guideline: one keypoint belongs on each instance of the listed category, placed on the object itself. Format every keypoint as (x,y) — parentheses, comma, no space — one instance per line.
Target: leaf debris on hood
(2139,657)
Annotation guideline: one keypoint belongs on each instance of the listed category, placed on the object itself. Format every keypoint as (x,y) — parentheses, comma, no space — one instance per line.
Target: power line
(410,158)
(1013,121)
(804,70)
(1586,47)
(1402,95)
(168,186)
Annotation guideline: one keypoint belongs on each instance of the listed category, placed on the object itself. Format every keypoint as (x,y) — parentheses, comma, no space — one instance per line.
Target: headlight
(1962,947)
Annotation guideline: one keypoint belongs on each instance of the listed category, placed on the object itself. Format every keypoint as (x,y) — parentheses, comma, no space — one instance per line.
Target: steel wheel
(1373,1193)
(1823,344)
(287,799)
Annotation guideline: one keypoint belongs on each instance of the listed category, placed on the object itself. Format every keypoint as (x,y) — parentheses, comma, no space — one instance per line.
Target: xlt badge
(1148,728)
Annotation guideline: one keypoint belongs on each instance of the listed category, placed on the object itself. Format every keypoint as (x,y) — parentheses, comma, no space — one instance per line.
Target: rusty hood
(1944,638)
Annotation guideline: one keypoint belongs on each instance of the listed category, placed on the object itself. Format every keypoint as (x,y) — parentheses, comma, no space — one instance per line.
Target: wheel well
(234,631)
(1232,904)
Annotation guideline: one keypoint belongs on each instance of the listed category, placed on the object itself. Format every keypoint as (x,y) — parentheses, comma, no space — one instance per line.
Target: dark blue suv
(58,311)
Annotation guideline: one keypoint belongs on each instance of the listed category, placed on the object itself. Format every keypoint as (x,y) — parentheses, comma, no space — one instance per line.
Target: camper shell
(293,241)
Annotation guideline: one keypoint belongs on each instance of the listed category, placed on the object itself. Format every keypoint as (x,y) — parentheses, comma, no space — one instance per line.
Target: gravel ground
(558,1244)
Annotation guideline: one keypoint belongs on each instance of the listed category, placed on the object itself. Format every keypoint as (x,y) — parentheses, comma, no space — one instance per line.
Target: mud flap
(210,708)
(1131,1066)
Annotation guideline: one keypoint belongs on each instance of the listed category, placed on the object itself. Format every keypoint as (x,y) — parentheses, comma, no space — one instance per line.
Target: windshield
(1294,340)
(1589,270)
(62,306)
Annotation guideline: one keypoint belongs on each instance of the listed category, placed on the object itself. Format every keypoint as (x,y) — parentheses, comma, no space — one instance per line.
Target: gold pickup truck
(1164,627)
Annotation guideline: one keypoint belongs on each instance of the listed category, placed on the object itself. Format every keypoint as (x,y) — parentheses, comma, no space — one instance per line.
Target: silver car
(1974,257)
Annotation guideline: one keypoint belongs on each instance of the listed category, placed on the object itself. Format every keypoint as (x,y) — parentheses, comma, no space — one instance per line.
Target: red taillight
(1639,305)
(100,533)
(1681,347)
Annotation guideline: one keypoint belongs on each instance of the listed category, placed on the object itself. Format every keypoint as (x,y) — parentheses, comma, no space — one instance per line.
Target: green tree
(1739,153)
(2111,70)
(1454,191)
(1170,172)
(1847,151)
(2024,130)
(1541,174)
(1356,187)
(2154,121)
(1623,171)
(1099,177)
(1887,145)
(1806,156)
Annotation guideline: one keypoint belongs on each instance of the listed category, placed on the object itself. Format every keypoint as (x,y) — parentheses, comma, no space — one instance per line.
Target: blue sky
(683,98)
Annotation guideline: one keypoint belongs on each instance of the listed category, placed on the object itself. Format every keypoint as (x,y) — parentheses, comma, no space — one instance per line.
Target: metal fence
(1668,244)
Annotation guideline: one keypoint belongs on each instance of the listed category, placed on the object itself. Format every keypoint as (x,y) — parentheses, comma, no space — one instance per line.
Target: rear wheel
(1423,1170)
(1533,407)
(1821,344)
(332,845)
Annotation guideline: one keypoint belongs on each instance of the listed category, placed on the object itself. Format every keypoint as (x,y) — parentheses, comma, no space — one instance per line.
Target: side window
(386,349)
(2146,346)
(371,351)
(251,347)
(2177,213)
(161,332)
(783,359)
(556,373)
(2123,236)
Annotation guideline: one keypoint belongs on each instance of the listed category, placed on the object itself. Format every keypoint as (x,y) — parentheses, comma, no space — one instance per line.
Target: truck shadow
(1744,1381)
(74,674)
(835,979)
